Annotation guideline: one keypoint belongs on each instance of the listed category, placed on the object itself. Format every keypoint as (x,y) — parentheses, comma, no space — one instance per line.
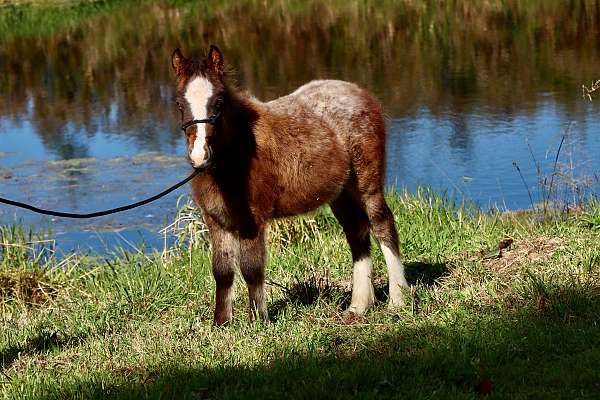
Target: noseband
(210,120)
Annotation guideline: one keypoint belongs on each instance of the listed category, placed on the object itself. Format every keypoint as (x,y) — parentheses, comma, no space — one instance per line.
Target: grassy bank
(516,323)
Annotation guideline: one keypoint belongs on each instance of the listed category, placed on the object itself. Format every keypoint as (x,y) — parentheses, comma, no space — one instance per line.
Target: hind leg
(384,229)
(355,223)
(369,165)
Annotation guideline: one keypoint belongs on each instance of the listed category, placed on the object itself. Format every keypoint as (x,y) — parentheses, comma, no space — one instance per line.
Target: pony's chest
(212,202)
(225,206)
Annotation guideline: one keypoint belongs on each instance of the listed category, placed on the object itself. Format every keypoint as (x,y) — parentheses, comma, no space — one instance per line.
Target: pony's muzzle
(205,163)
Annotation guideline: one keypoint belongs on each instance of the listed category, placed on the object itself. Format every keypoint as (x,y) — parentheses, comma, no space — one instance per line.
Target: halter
(210,120)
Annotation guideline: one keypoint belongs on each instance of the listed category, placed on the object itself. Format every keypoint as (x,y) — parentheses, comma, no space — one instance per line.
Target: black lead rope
(105,212)
(210,120)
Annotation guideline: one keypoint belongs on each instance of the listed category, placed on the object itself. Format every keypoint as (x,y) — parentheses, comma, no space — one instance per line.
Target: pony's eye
(218,103)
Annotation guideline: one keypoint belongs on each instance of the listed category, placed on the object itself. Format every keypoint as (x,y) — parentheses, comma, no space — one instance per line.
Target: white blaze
(197,94)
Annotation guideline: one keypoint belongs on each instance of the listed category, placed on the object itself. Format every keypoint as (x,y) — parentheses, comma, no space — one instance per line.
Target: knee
(253,277)
(382,221)
(223,274)
(252,261)
(253,273)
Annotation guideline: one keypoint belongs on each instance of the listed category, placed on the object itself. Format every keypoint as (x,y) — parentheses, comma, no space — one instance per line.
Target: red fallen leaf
(484,387)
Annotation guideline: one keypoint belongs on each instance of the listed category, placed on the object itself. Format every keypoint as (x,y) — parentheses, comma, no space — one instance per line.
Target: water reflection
(467,84)
(411,53)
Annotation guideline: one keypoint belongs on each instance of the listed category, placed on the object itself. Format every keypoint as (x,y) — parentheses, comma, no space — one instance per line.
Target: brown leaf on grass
(497,252)
(505,243)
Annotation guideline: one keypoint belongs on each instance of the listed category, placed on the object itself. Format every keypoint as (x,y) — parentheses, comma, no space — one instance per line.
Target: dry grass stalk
(587,92)
(26,286)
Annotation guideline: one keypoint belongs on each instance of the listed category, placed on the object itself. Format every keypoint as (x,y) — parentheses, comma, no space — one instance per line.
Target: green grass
(43,17)
(139,325)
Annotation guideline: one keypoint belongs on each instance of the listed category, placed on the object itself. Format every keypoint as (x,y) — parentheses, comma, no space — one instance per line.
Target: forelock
(192,67)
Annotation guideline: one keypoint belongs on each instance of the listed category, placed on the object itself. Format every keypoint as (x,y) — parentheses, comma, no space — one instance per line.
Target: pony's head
(200,95)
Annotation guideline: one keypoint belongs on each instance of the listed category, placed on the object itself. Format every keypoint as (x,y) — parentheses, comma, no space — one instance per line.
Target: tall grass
(41,18)
(568,185)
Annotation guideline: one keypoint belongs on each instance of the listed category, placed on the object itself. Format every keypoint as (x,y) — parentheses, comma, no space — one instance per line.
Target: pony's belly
(307,197)
(287,208)
(314,175)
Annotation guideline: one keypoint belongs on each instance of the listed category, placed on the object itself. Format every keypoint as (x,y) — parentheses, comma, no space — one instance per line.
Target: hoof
(397,298)
(395,304)
(360,308)
(222,319)
(362,300)
(261,317)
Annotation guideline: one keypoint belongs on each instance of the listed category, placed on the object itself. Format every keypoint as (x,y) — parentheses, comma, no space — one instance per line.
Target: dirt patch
(29,287)
(537,249)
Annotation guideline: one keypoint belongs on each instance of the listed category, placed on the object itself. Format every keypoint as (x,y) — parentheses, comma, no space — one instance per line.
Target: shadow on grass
(48,340)
(525,354)
(44,341)
(308,290)
(427,273)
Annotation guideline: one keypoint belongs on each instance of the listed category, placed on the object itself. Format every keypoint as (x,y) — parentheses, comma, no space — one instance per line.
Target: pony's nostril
(195,164)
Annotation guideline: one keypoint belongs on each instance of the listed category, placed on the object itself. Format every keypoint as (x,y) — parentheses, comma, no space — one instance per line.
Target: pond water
(471,90)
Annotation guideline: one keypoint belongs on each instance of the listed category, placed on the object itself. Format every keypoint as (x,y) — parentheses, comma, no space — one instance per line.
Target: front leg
(225,254)
(252,264)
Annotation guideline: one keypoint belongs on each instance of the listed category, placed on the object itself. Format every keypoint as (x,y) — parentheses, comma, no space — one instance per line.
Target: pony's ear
(177,60)
(215,59)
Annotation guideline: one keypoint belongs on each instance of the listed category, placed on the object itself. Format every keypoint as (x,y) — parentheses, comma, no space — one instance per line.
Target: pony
(322,144)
